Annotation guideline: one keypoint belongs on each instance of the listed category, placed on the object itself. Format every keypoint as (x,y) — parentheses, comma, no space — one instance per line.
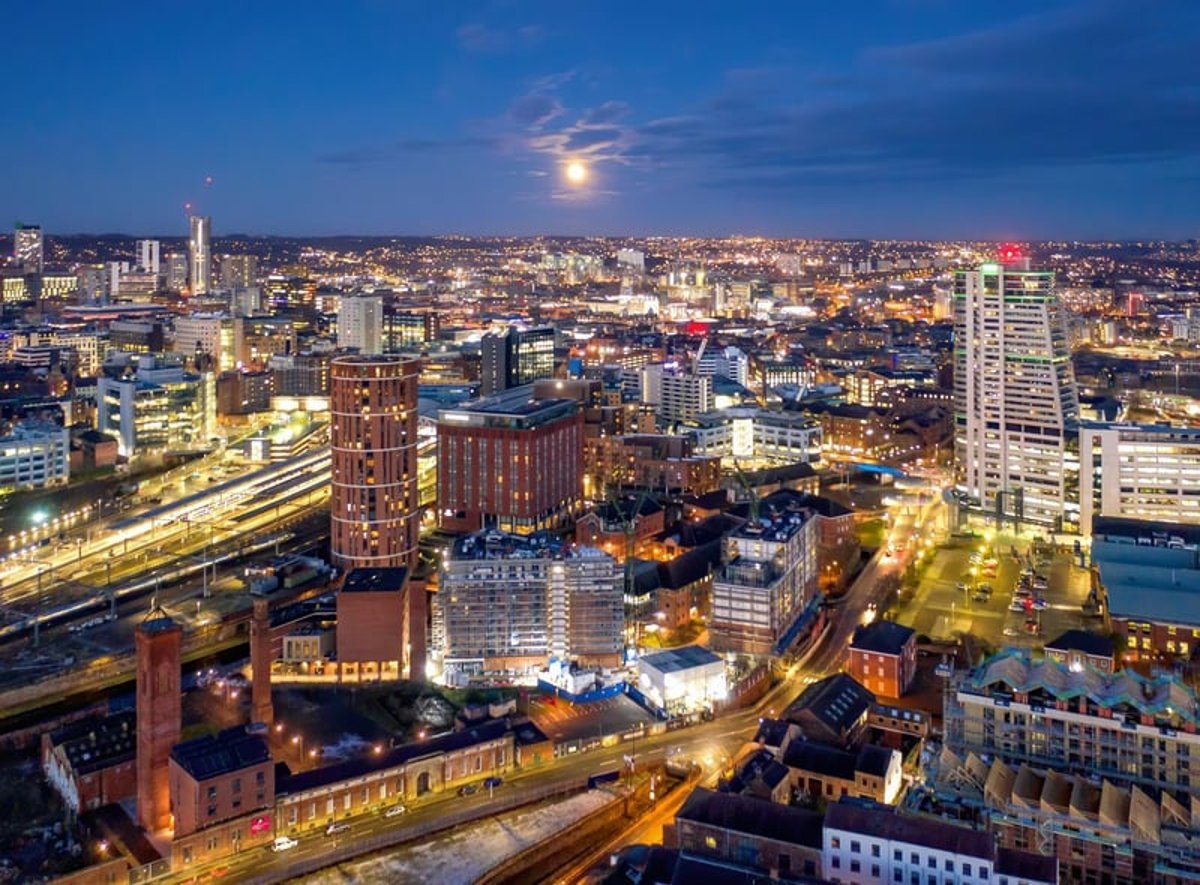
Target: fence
(587,697)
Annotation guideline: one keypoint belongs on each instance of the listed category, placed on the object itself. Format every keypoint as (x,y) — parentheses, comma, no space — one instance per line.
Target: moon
(577,173)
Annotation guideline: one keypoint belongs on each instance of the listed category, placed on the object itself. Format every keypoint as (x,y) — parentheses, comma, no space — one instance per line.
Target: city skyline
(1069,120)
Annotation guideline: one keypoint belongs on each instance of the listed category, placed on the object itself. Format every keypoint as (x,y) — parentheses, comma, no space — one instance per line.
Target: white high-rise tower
(200,254)
(148,253)
(360,323)
(1014,394)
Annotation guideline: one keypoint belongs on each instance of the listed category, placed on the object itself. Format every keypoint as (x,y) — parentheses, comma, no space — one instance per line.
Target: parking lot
(951,598)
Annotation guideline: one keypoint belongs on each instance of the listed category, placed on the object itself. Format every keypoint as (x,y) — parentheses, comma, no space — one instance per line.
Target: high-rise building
(403,329)
(177,271)
(676,395)
(374,504)
(767,587)
(1015,394)
(148,252)
(516,358)
(158,640)
(238,271)
(509,462)
(206,333)
(507,604)
(29,248)
(159,408)
(360,323)
(200,254)
(1139,471)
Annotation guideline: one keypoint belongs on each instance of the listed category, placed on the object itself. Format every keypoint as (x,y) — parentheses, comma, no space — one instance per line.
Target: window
(710,842)
(897,855)
(932,863)
(836,863)
(897,875)
(855,848)
(854,866)
(966,869)
(835,842)
(949,866)
(875,870)
(237,785)
(875,852)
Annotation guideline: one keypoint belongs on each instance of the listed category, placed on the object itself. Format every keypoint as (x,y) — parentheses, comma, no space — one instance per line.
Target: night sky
(907,119)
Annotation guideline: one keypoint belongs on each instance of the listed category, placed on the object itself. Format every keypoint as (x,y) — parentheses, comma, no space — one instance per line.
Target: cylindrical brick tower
(375,502)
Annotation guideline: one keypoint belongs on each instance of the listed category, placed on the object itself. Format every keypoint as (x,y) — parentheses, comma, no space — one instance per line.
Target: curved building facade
(375,503)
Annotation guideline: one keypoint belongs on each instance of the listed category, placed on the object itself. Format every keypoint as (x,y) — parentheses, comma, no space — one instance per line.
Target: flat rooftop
(215,754)
(678,659)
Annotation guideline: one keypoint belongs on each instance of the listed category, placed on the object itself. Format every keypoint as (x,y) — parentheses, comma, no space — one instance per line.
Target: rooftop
(883,823)
(743,814)
(443,743)
(837,701)
(515,408)
(215,754)
(495,544)
(98,741)
(677,660)
(1163,697)
(882,637)
(1083,641)
(375,580)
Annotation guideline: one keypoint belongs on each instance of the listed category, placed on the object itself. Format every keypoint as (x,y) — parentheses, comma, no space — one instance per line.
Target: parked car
(468,789)
(395,811)
(1040,604)
(335,828)
(980,597)
(1016,606)
(283,843)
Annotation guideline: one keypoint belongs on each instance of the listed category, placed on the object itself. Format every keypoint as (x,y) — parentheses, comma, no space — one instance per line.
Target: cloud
(534,110)
(609,112)
(1091,85)
(479,37)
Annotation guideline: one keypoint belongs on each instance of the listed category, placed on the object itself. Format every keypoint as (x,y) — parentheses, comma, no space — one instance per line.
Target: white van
(283,843)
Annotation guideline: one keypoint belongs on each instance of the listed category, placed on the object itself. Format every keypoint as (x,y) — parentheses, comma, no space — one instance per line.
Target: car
(980,597)
(1022,593)
(283,843)
(1016,606)
(1011,631)
(1040,604)
(468,789)
(1031,626)
(492,782)
(961,587)
(395,811)
(335,828)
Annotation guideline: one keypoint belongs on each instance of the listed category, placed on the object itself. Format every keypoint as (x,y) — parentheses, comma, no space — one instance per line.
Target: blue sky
(897,118)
